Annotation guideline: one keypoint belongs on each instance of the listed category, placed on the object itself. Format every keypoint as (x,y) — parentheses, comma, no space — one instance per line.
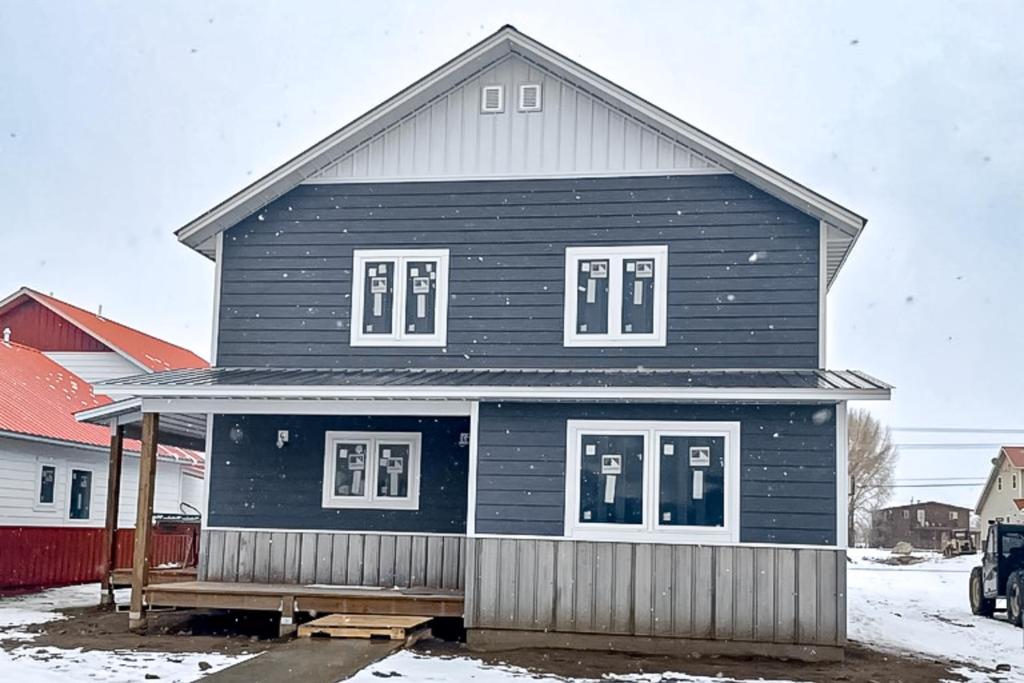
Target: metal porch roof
(522,384)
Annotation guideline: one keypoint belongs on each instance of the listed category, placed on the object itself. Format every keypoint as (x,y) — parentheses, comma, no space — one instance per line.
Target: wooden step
(392,627)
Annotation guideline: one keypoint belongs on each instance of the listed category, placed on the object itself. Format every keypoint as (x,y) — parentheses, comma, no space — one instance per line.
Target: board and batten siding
(574,132)
(767,595)
(255,484)
(335,558)
(742,288)
(787,460)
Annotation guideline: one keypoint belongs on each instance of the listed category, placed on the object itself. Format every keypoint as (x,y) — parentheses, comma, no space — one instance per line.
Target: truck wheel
(983,607)
(1014,598)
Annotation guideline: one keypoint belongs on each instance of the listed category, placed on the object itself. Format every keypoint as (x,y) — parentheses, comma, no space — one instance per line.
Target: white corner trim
(615,337)
(650,530)
(842,477)
(370,499)
(399,259)
(207,471)
(822,292)
(218,271)
(474,446)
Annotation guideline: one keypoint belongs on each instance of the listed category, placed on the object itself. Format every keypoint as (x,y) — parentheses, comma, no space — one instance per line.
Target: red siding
(58,556)
(32,324)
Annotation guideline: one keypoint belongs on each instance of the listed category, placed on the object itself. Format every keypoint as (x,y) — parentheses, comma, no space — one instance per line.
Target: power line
(929,486)
(938,479)
(946,446)
(958,430)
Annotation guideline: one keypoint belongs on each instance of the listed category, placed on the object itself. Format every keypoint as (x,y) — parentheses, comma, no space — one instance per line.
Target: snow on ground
(924,608)
(920,608)
(26,662)
(410,666)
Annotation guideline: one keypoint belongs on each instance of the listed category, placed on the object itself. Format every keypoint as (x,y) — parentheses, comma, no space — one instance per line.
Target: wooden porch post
(113,500)
(144,519)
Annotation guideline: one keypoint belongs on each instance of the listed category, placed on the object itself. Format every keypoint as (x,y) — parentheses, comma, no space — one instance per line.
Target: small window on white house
(372,470)
(492,99)
(653,480)
(399,297)
(529,97)
(615,296)
(47,485)
(954,515)
(80,487)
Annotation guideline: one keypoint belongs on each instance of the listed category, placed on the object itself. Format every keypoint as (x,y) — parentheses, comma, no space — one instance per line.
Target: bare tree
(872,462)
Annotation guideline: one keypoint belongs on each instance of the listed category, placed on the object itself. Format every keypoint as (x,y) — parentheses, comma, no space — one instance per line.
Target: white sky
(121,121)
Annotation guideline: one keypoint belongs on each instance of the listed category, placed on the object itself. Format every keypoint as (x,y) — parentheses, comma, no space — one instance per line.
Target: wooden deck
(291,598)
(122,578)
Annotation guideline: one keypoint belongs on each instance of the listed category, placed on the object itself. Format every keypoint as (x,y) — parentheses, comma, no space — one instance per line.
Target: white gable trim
(199,233)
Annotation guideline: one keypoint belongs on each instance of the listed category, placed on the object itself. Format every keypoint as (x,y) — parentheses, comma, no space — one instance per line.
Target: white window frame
(369,500)
(651,529)
(615,256)
(398,336)
(36,504)
(69,491)
(501,99)
(954,516)
(522,97)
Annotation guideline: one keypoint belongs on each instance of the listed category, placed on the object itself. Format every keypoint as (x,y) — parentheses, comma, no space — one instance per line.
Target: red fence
(58,556)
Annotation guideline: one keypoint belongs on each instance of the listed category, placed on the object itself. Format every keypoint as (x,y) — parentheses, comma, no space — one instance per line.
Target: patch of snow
(59,665)
(924,608)
(405,665)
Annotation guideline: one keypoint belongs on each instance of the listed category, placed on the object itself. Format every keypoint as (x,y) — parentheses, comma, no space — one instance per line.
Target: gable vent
(529,97)
(492,99)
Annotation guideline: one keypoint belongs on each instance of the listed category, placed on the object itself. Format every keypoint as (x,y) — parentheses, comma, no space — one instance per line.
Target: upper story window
(372,470)
(954,515)
(615,296)
(400,297)
(653,480)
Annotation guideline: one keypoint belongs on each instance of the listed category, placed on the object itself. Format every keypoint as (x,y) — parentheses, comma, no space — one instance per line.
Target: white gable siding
(95,366)
(574,133)
(19,485)
(999,504)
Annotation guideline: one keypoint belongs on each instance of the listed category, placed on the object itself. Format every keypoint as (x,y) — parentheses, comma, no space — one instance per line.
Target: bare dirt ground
(240,633)
(95,628)
(862,665)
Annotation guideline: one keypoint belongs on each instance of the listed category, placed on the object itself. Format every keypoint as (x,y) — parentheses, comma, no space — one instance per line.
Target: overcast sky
(121,121)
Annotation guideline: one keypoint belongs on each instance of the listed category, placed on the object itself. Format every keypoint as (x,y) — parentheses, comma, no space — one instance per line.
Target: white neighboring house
(1002,499)
(53,469)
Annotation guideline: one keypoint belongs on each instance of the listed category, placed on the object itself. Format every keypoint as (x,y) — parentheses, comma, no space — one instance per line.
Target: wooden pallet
(391,627)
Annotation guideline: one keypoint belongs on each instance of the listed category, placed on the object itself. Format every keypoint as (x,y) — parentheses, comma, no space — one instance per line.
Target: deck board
(307,598)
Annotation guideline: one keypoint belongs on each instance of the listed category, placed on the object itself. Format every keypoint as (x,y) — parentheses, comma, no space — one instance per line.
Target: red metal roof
(39,397)
(146,350)
(1015,454)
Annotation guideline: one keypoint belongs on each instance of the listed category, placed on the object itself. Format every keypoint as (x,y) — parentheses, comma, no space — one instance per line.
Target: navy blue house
(520,335)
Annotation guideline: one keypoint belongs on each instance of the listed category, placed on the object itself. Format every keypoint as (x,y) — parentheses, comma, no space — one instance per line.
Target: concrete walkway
(309,660)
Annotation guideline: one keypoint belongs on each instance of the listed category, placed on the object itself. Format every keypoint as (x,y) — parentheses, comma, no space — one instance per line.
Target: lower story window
(47,484)
(81,494)
(661,480)
(372,470)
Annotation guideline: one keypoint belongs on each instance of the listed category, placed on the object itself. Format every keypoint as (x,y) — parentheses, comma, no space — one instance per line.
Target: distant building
(926,525)
(1002,499)
(53,488)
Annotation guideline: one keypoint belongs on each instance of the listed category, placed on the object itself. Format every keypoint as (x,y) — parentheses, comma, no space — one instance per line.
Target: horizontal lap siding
(771,595)
(287,272)
(254,484)
(787,460)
